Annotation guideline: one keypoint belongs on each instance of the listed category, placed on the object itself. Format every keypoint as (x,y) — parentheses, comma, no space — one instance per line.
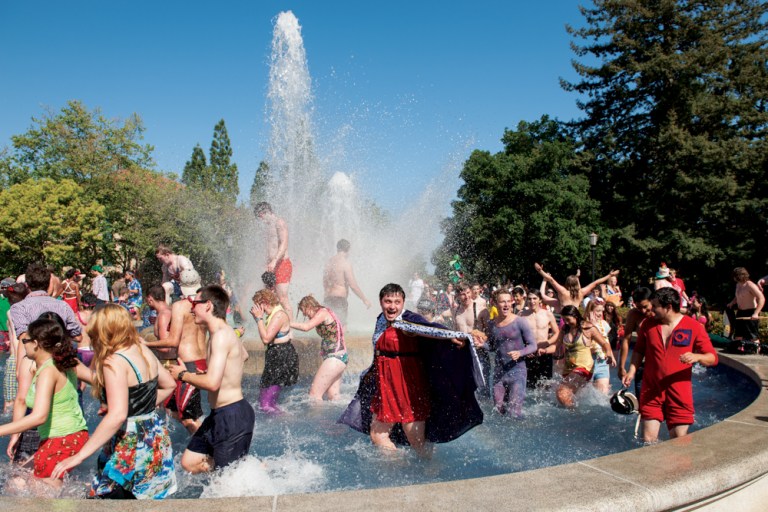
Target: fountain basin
(722,466)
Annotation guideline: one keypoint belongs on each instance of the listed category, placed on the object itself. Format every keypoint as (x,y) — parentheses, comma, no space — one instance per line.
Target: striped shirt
(35,304)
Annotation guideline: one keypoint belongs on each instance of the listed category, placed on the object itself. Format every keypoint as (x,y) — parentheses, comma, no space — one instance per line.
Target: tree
(519,206)
(260,186)
(196,172)
(676,113)
(77,144)
(224,173)
(48,221)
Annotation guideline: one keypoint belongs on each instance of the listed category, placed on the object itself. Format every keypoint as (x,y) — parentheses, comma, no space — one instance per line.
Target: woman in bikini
(281,362)
(70,289)
(327,380)
(576,338)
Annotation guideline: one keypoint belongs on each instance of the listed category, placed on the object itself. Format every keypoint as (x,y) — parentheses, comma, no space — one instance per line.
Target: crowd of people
(436,356)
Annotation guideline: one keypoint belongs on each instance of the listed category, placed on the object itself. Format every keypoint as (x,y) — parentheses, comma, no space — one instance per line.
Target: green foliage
(519,206)
(76,144)
(48,221)
(196,171)
(224,173)
(260,186)
(675,125)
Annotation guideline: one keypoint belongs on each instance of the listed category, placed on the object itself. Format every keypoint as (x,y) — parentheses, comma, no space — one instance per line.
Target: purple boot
(268,399)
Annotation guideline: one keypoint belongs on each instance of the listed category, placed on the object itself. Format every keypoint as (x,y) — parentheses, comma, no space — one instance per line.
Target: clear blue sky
(403,90)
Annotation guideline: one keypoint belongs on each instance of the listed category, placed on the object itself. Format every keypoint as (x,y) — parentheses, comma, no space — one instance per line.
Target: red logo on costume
(682,338)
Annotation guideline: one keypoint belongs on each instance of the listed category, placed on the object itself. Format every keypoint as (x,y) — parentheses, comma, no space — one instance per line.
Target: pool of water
(305,450)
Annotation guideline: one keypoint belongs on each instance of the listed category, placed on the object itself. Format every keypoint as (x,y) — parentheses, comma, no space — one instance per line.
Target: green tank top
(65,416)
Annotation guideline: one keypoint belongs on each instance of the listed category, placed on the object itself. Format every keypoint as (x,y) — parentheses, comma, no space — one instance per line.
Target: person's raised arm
(591,286)
(268,333)
(559,289)
(319,317)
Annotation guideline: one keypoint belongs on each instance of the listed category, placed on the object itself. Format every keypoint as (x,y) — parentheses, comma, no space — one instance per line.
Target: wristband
(180,378)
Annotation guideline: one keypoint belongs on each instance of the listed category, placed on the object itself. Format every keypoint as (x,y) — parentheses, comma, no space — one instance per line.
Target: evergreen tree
(196,172)
(676,113)
(260,184)
(224,173)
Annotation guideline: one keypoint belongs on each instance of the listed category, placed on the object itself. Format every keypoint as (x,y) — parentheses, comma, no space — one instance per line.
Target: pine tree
(224,173)
(260,183)
(676,113)
(196,172)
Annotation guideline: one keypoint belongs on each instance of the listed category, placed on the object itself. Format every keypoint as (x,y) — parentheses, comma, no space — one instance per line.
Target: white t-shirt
(417,288)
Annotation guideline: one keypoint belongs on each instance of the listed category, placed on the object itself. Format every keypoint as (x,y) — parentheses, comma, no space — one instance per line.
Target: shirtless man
(162,327)
(277,252)
(338,279)
(173,265)
(225,435)
(572,293)
(545,333)
(187,337)
(749,301)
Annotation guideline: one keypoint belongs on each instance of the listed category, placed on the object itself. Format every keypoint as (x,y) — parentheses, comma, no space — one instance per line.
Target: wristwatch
(180,377)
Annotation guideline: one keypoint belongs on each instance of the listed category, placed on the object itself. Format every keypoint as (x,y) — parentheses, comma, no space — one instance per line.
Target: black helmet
(624,402)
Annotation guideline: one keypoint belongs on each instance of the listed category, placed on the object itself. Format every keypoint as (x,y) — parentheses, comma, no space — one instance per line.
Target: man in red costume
(415,382)
(671,343)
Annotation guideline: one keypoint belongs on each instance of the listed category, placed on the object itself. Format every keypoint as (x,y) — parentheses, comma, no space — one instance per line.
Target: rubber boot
(268,399)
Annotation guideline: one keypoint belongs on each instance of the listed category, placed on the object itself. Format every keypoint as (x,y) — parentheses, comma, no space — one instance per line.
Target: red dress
(403,393)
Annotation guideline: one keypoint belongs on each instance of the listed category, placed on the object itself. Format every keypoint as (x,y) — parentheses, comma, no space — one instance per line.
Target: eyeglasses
(195,302)
(26,340)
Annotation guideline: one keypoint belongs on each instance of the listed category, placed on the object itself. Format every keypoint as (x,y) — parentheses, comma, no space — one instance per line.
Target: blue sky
(403,90)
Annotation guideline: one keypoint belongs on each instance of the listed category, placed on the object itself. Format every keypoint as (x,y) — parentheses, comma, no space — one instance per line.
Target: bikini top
(142,398)
(280,334)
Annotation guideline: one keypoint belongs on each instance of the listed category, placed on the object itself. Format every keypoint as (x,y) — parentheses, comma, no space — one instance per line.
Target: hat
(97,268)
(77,272)
(189,280)
(663,272)
(624,402)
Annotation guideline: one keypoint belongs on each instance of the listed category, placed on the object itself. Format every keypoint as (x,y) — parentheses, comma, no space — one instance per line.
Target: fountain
(303,460)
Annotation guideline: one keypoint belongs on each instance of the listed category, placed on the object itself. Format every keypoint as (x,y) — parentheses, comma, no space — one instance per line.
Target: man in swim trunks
(277,252)
(187,337)
(749,301)
(173,266)
(545,332)
(338,279)
(671,343)
(225,435)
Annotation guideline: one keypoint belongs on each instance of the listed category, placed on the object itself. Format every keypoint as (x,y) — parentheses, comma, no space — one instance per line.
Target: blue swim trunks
(225,434)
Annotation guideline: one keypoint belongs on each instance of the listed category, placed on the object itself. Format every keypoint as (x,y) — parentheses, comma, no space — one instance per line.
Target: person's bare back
(335,282)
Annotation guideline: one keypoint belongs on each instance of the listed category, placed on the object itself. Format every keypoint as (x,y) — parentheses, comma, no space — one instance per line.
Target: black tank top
(142,397)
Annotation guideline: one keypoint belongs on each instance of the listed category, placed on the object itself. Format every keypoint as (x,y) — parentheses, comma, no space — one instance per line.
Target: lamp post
(592,246)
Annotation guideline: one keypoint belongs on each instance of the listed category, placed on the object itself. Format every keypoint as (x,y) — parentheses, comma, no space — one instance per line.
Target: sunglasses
(26,340)
(195,302)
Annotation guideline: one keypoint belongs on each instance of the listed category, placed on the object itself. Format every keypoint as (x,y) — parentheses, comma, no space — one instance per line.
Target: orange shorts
(55,449)
(283,271)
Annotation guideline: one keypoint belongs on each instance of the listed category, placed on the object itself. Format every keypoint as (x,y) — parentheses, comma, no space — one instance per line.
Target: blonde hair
(309,302)
(265,296)
(110,329)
